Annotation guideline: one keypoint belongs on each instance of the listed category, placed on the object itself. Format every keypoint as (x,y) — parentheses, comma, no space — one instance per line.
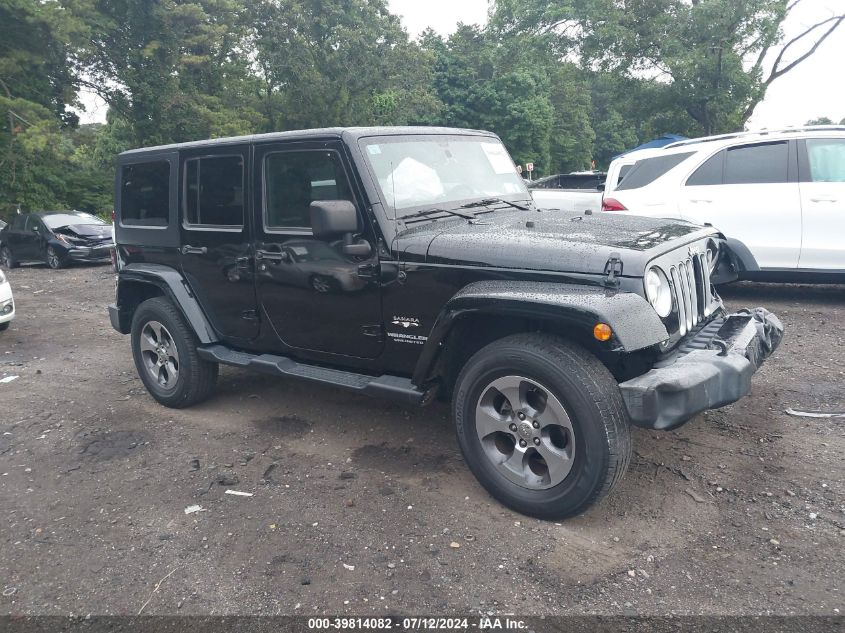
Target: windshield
(56,220)
(440,170)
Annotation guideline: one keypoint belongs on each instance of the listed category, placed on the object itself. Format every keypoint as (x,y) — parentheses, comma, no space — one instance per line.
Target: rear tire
(6,259)
(165,353)
(565,440)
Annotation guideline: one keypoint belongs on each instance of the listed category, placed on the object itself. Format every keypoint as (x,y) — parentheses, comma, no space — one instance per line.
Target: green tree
(337,62)
(712,55)
(36,87)
(823,120)
(174,70)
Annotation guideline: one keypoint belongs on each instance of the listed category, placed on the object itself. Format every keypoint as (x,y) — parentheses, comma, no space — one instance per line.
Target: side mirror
(333,218)
(600,187)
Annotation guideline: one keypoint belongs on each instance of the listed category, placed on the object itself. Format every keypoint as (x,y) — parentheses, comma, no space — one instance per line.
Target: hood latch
(613,270)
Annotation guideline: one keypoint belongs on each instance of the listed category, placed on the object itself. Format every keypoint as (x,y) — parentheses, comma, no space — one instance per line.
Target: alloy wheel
(525,432)
(159,353)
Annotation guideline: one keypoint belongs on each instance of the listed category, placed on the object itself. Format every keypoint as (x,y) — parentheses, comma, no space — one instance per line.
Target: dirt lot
(357,503)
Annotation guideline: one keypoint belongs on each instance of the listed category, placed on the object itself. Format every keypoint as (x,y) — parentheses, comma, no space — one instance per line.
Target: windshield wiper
(489,201)
(422,216)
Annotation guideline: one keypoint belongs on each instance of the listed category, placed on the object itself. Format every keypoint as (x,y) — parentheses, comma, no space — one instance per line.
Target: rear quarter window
(648,170)
(145,194)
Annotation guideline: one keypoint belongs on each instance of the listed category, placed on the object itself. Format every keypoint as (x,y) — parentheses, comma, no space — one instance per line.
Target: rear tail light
(612,204)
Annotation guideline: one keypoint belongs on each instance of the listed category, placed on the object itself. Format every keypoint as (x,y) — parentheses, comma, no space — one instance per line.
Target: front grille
(691,290)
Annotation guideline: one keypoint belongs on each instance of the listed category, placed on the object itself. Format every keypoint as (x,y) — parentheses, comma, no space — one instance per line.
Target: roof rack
(758,133)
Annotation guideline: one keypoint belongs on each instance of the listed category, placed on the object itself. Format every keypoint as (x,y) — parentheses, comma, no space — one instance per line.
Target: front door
(313,295)
(216,247)
(823,204)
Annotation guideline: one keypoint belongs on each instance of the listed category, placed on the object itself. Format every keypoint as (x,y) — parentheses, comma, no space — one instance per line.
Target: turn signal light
(602,332)
(612,204)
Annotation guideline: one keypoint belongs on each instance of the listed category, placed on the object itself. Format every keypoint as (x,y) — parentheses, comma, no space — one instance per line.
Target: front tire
(165,353)
(5,326)
(54,259)
(542,425)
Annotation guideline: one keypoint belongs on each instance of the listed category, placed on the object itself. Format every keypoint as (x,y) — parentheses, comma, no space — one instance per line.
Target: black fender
(173,285)
(634,322)
(740,260)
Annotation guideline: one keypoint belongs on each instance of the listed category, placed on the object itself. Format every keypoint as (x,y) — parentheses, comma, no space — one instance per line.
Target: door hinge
(249,315)
(613,270)
(375,331)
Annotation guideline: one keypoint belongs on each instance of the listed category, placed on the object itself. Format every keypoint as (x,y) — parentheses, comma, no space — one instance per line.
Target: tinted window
(648,170)
(827,159)
(293,180)
(18,222)
(710,173)
(623,171)
(145,194)
(214,191)
(754,164)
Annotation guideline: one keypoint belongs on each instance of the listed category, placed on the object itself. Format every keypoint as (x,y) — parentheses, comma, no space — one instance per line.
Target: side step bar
(394,388)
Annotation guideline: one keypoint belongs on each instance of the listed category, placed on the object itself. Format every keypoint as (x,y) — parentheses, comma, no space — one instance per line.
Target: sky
(813,89)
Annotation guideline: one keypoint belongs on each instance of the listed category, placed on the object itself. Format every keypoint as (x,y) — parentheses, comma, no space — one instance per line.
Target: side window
(19,222)
(214,191)
(293,180)
(827,159)
(648,170)
(710,173)
(145,194)
(756,164)
(623,171)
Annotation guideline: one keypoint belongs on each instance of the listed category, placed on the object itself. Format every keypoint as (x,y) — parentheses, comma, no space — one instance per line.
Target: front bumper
(710,369)
(95,254)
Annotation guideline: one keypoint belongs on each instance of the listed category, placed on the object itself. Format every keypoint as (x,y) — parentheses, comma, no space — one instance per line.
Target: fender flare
(741,256)
(173,285)
(634,322)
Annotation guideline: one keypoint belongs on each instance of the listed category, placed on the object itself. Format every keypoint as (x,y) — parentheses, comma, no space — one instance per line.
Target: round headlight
(658,292)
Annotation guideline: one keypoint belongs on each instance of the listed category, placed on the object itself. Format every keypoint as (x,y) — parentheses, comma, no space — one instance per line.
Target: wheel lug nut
(536,424)
(523,443)
(521,415)
(537,441)
(513,427)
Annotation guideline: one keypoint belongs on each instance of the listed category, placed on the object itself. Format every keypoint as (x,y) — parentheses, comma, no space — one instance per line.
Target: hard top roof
(350,133)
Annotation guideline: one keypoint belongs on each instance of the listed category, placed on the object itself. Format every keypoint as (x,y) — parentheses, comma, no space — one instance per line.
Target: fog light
(602,332)
(7,309)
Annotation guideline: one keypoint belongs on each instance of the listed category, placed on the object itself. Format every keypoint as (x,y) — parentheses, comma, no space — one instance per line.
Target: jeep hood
(552,241)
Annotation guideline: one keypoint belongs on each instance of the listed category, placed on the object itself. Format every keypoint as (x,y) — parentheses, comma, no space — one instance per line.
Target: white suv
(779,197)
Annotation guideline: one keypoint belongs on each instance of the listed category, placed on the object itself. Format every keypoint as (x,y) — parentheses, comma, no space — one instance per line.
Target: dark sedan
(56,238)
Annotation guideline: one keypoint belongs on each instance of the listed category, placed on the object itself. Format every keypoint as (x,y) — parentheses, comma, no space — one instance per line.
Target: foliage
(563,82)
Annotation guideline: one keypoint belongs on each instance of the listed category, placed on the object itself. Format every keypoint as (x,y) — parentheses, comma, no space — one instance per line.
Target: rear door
(822,176)
(315,297)
(750,193)
(14,236)
(216,250)
(32,238)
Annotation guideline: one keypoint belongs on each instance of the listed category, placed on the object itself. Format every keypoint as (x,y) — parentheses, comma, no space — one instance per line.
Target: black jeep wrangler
(411,263)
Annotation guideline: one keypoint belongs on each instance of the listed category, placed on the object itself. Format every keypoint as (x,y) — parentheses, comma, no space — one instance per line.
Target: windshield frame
(404,213)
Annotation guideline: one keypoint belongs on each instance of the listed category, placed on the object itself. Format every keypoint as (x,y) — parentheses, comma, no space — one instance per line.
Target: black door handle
(194,250)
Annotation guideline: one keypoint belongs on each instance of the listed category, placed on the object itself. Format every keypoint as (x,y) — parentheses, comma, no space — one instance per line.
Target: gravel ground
(362,507)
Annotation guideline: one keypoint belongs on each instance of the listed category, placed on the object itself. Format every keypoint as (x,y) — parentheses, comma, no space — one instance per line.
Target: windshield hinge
(613,270)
